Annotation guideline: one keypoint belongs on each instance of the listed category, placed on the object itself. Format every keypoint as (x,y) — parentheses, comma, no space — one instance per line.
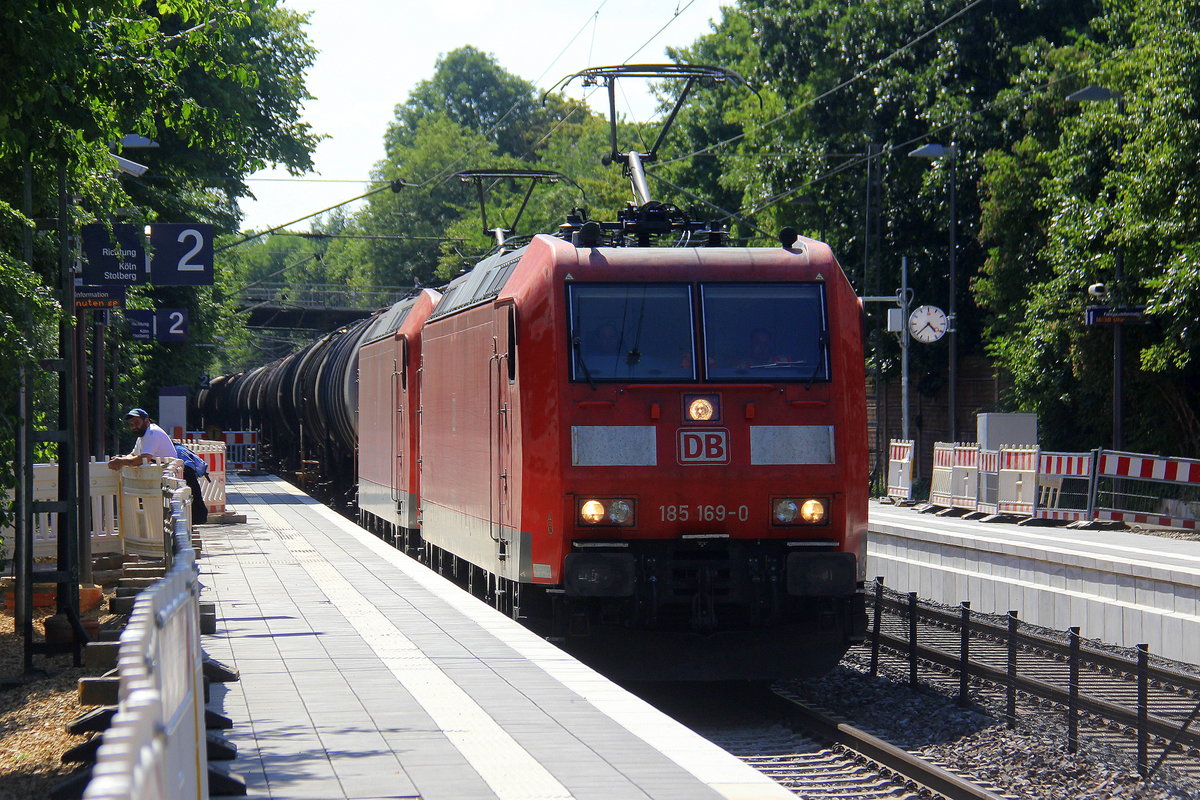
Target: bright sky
(372,52)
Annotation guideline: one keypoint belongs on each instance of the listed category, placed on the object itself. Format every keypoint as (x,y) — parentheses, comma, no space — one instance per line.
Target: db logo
(704,446)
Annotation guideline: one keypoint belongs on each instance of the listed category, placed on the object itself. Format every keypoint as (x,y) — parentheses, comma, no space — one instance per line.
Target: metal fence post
(1011,710)
(912,639)
(964,654)
(1094,483)
(1073,692)
(878,622)
(1143,678)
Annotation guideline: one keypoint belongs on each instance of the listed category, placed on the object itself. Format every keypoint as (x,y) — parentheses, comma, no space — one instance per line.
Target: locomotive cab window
(631,332)
(765,332)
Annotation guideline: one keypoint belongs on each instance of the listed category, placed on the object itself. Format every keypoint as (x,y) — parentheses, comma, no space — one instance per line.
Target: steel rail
(910,767)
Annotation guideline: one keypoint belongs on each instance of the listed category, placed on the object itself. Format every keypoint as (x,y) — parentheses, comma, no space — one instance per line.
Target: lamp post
(950,153)
(1094,93)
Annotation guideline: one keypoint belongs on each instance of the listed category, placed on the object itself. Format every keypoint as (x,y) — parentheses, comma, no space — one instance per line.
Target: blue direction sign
(114,258)
(183,254)
(141,324)
(171,324)
(163,325)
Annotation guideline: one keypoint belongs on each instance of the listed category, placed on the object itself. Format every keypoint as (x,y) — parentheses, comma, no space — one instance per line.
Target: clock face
(927,324)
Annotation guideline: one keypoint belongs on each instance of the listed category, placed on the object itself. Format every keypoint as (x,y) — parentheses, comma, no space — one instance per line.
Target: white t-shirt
(155,442)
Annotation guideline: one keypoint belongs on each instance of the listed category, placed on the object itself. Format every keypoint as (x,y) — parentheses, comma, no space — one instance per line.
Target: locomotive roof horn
(534,176)
(607,76)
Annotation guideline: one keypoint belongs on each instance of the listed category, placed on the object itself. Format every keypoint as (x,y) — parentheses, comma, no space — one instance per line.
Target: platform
(365,675)
(1119,586)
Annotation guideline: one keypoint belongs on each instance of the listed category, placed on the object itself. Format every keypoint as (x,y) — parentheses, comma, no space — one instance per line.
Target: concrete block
(138,583)
(144,571)
(100,655)
(94,721)
(100,691)
(121,605)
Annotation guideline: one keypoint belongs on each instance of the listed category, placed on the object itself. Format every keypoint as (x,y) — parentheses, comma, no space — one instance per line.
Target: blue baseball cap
(137,412)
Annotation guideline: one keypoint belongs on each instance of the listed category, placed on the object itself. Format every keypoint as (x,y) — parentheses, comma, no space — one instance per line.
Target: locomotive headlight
(700,410)
(799,511)
(591,512)
(812,511)
(607,511)
(620,512)
(785,511)
(702,407)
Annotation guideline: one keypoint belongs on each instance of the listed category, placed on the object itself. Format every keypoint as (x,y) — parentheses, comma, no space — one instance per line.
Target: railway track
(805,749)
(1135,706)
(853,763)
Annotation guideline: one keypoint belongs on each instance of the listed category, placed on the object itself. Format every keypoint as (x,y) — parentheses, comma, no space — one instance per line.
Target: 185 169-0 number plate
(703,513)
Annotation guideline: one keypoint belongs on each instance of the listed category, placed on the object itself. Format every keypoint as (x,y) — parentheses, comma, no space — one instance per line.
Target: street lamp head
(129,167)
(933,151)
(1093,93)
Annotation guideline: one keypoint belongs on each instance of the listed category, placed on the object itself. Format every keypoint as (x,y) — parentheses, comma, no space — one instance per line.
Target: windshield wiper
(776,364)
(587,373)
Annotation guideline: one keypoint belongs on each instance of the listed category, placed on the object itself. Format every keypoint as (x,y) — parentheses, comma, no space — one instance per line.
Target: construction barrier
(1064,486)
(141,507)
(156,745)
(964,478)
(943,467)
(212,485)
(1134,487)
(900,469)
(241,450)
(988,486)
(102,488)
(1017,480)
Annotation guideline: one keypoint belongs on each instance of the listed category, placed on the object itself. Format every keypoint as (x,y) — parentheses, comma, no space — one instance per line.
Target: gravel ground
(1029,762)
(34,711)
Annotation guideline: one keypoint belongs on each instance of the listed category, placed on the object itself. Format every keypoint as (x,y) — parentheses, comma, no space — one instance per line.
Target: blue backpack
(192,460)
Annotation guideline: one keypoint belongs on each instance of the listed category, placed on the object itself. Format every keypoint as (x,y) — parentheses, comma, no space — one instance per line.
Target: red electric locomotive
(656,456)
(659,451)
(388,478)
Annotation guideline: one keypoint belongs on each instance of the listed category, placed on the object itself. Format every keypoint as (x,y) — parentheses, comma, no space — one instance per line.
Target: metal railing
(1022,661)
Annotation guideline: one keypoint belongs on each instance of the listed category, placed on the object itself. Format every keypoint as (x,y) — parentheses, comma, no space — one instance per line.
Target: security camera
(1098,290)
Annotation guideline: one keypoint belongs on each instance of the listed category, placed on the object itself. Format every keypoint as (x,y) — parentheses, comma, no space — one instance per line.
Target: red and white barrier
(1130,500)
(942,479)
(900,469)
(241,448)
(213,484)
(964,477)
(1054,470)
(1064,487)
(988,488)
(1017,469)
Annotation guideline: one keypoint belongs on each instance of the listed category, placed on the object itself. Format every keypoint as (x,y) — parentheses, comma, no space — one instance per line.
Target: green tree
(217,82)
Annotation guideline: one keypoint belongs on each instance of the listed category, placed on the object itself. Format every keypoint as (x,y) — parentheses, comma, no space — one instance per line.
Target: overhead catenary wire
(827,93)
(443,173)
(394,185)
(902,146)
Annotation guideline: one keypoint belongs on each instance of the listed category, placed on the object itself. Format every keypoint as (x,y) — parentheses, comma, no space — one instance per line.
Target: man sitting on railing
(153,442)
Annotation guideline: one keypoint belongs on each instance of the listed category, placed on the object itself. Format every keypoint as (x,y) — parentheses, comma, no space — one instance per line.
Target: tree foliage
(217,83)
